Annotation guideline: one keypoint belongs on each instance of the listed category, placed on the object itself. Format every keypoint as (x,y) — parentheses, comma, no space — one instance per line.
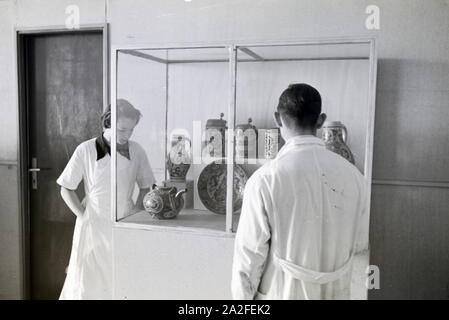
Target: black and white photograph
(224,150)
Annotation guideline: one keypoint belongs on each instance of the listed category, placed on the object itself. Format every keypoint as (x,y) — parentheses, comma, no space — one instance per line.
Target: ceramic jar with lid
(335,136)
(216,137)
(246,140)
(179,158)
(272,141)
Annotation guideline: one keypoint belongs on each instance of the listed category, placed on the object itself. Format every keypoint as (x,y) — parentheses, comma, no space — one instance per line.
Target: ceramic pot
(179,159)
(164,202)
(335,136)
(272,143)
(246,140)
(215,144)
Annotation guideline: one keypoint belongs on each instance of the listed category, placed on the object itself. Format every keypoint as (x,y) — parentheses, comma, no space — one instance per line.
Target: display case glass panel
(183,95)
(207,115)
(340,72)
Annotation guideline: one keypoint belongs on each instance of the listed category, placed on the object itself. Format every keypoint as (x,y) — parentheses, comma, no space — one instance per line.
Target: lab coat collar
(103,148)
(300,140)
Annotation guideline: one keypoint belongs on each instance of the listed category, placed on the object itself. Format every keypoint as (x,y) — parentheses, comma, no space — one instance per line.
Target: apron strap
(309,275)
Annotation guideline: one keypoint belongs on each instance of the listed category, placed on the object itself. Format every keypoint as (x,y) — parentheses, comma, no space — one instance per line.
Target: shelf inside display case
(249,161)
(244,161)
(187,220)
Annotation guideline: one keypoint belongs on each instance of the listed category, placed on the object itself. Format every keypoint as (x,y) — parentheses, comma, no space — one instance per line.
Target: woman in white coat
(297,231)
(89,274)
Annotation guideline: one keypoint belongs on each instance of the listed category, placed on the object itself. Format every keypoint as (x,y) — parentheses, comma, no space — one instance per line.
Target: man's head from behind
(127,119)
(299,110)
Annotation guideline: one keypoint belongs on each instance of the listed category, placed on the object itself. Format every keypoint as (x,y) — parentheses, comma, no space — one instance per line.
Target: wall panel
(10,258)
(410,242)
(412,111)
(171,265)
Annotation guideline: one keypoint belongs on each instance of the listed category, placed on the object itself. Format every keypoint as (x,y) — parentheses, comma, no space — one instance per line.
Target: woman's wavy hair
(124,110)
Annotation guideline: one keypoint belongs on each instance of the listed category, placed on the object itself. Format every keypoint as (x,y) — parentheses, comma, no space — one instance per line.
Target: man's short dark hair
(302,103)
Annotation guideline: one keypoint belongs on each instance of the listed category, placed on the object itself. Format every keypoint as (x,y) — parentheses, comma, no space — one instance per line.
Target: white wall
(41,13)
(343,86)
(10,258)
(8,120)
(413,81)
(10,244)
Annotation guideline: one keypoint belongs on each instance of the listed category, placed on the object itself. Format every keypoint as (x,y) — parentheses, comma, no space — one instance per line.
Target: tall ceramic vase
(335,136)
(179,158)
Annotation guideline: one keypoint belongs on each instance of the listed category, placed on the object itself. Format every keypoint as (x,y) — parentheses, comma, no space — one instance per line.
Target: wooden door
(63,81)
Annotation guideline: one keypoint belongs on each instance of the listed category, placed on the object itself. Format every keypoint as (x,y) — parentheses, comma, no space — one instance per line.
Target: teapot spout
(179,193)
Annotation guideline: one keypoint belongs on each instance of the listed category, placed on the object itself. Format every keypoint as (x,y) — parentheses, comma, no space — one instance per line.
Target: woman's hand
(139,201)
(73,202)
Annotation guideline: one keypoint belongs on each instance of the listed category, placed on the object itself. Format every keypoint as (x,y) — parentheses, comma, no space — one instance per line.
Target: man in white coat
(300,215)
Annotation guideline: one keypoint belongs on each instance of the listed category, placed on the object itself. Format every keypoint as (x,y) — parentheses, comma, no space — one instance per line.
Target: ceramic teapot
(335,136)
(164,202)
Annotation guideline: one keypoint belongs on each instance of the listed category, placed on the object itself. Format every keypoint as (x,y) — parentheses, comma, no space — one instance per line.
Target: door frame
(22,134)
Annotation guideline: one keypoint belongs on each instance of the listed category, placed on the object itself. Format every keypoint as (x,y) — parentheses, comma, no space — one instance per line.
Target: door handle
(34,170)
(37,169)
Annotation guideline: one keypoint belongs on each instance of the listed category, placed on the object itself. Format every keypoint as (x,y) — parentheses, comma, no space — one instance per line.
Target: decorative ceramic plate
(212,187)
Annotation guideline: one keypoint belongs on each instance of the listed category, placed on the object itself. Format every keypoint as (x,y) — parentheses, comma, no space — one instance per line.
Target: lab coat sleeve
(74,170)
(362,232)
(145,177)
(252,241)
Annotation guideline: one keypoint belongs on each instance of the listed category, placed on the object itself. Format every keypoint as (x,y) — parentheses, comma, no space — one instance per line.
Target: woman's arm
(139,201)
(72,201)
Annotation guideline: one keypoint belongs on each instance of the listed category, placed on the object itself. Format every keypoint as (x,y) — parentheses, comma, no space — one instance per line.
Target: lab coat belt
(309,275)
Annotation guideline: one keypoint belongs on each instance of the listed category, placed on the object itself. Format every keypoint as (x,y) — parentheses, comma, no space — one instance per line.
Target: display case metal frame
(233,48)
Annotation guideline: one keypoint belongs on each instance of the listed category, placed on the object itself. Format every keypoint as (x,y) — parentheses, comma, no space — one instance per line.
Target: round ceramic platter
(212,187)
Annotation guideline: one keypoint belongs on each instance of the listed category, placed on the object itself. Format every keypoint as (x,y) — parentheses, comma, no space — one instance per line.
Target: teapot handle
(180,192)
(345,133)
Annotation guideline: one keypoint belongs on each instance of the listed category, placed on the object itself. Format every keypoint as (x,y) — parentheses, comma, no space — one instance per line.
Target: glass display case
(207,123)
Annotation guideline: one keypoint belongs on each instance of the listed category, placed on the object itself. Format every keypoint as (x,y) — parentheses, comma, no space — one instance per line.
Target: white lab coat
(89,274)
(298,225)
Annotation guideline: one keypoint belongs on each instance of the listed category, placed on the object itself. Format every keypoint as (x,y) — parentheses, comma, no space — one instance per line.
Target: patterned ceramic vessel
(246,140)
(335,136)
(164,202)
(179,159)
(272,139)
(212,187)
(215,143)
